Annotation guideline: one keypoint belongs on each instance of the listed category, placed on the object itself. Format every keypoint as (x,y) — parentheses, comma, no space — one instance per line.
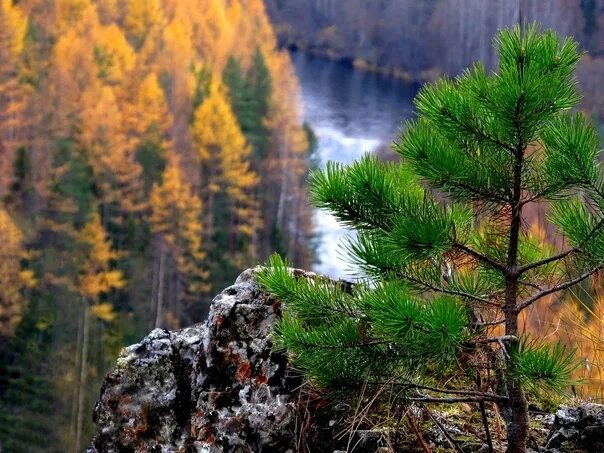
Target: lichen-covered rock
(213,387)
(577,429)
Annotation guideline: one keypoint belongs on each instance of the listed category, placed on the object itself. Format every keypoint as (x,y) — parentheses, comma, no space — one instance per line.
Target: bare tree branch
(466,399)
(556,288)
(527,267)
(452,292)
(482,258)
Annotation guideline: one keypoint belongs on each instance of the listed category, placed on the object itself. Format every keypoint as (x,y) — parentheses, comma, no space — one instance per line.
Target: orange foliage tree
(179,271)
(13,280)
(13,25)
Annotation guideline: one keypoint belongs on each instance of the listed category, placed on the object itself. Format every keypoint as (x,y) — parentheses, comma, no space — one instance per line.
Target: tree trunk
(517,406)
(154,285)
(77,370)
(517,415)
(83,378)
(160,290)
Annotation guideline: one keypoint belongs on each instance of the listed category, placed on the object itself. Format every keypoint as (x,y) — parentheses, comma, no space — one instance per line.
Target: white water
(351,113)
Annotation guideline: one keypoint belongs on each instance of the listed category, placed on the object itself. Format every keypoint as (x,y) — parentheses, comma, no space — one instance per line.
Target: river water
(351,112)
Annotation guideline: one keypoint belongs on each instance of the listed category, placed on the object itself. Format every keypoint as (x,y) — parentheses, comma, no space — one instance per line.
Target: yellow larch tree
(96,277)
(148,121)
(117,173)
(91,62)
(250,25)
(140,17)
(148,109)
(175,62)
(69,12)
(179,268)
(215,36)
(13,25)
(73,72)
(114,57)
(13,280)
(228,183)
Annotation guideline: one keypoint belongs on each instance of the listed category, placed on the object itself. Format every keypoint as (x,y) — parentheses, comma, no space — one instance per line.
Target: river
(351,112)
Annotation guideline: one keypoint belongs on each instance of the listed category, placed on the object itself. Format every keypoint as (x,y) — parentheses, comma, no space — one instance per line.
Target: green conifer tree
(21,191)
(27,396)
(250,94)
(448,280)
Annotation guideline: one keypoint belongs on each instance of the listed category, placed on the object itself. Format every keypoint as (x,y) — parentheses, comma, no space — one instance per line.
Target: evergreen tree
(21,191)
(27,412)
(446,277)
(250,94)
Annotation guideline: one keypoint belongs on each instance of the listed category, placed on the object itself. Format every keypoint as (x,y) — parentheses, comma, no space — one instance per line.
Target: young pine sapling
(448,261)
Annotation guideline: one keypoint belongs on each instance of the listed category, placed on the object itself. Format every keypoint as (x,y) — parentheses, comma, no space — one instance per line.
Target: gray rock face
(213,387)
(577,429)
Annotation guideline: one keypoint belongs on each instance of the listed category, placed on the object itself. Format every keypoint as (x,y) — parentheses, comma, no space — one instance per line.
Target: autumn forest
(149,151)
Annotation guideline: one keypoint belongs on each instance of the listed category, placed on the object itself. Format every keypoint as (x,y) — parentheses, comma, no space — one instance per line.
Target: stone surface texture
(577,429)
(212,387)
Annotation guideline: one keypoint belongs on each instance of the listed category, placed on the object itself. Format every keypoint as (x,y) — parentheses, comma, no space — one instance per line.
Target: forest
(152,150)
(149,151)
(413,40)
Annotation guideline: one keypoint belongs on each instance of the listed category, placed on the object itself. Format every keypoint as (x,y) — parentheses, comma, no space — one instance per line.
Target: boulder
(212,387)
(577,429)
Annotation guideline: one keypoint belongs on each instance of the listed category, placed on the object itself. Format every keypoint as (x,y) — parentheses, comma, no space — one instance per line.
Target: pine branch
(484,136)
(531,285)
(466,399)
(466,393)
(450,292)
(469,393)
(494,339)
(557,288)
(527,267)
(482,193)
(482,258)
(490,323)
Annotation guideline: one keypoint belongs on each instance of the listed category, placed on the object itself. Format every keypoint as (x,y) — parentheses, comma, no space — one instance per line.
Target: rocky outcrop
(213,387)
(220,387)
(577,429)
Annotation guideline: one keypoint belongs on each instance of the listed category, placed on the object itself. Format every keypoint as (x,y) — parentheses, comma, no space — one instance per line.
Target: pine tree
(250,96)
(27,410)
(21,191)
(446,277)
